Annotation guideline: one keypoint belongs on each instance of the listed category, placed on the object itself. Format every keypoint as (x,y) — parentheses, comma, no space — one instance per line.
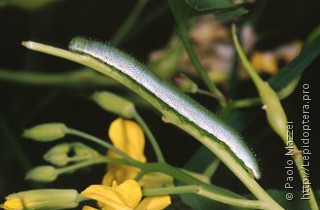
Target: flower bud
(46,132)
(115,104)
(185,84)
(82,150)
(42,199)
(43,174)
(58,155)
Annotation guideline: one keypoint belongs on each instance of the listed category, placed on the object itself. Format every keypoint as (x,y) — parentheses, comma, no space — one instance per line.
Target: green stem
(212,168)
(98,141)
(245,103)
(195,189)
(202,72)
(206,93)
(77,78)
(247,65)
(312,199)
(210,191)
(151,137)
(215,147)
(171,190)
(82,164)
(128,23)
(249,102)
(140,175)
(183,32)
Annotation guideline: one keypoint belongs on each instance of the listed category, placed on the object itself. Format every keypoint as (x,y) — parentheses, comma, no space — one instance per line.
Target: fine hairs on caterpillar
(170,99)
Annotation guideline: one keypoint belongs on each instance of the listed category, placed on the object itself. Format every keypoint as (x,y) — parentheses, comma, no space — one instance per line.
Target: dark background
(22,106)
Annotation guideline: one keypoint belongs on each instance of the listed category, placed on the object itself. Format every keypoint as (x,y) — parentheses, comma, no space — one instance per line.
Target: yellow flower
(265,62)
(126,196)
(127,136)
(268,61)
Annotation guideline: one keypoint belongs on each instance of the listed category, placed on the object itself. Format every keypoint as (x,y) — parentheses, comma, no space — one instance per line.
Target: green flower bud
(42,199)
(115,104)
(185,83)
(43,174)
(58,155)
(82,150)
(46,132)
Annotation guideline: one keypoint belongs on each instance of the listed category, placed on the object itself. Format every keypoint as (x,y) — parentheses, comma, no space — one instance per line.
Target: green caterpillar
(170,99)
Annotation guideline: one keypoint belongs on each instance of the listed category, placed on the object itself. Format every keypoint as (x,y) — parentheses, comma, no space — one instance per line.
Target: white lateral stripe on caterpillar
(170,97)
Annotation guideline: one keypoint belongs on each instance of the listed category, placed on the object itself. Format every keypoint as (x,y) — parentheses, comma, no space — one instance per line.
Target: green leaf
(205,5)
(296,67)
(227,14)
(312,36)
(197,202)
(222,9)
(201,5)
(203,158)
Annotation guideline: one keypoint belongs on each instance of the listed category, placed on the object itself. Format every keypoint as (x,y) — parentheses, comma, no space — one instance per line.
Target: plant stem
(254,204)
(249,102)
(202,72)
(139,175)
(171,190)
(99,141)
(203,189)
(151,137)
(78,78)
(182,22)
(206,93)
(211,169)
(83,164)
(128,23)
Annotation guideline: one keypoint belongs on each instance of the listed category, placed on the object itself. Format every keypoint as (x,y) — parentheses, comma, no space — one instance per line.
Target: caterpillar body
(170,99)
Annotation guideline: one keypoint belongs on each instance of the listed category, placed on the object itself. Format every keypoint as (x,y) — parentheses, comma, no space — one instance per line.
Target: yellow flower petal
(88,208)
(109,178)
(131,191)
(119,173)
(14,204)
(125,196)
(103,194)
(264,62)
(154,203)
(127,136)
